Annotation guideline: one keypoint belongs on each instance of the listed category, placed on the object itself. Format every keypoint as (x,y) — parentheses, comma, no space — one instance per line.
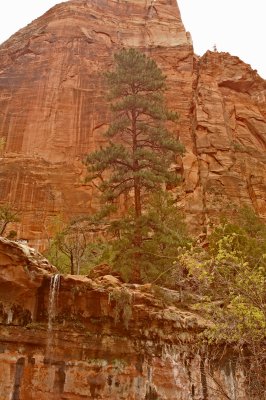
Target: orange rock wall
(91,349)
(54,111)
(230,135)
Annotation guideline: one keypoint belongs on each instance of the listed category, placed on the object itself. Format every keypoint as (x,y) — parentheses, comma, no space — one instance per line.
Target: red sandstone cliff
(53,111)
(106,340)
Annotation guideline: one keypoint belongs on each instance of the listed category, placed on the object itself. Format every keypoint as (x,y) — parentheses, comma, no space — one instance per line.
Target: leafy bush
(231,279)
(7,216)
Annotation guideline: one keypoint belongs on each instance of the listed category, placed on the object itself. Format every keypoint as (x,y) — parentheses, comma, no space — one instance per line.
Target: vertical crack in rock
(151,394)
(187,364)
(18,376)
(194,122)
(203,380)
(60,378)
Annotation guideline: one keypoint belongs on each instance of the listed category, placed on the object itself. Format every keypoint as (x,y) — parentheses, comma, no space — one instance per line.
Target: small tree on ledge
(7,216)
(140,148)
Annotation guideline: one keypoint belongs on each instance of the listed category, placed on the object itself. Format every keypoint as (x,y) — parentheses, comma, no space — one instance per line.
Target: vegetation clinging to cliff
(8,215)
(233,279)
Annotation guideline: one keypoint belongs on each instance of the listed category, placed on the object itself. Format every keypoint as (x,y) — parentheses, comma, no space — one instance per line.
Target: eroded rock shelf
(109,340)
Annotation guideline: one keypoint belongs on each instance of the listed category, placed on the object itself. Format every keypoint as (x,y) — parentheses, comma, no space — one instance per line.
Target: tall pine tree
(140,148)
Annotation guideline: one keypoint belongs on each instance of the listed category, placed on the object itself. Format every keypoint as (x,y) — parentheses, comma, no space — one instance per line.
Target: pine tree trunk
(72,266)
(137,200)
(3,228)
(78,267)
(137,203)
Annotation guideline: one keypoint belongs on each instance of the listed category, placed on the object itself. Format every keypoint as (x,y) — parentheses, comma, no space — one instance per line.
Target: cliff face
(230,135)
(74,337)
(54,111)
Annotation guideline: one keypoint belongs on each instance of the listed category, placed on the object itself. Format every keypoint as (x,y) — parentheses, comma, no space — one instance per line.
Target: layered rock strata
(54,111)
(101,339)
(229,130)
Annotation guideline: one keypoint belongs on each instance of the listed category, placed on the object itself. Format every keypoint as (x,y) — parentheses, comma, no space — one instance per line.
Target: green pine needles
(140,148)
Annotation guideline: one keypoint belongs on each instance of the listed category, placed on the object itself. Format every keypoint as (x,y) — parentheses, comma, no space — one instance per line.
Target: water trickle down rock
(155,358)
(52,310)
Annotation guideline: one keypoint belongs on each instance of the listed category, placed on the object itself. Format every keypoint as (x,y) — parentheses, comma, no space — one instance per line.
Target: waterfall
(52,309)
(9,317)
(53,299)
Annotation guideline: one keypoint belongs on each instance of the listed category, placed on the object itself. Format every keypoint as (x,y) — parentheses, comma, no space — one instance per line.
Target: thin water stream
(52,311)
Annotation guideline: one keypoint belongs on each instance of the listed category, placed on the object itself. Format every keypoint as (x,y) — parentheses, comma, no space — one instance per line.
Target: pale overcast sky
(236,26)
